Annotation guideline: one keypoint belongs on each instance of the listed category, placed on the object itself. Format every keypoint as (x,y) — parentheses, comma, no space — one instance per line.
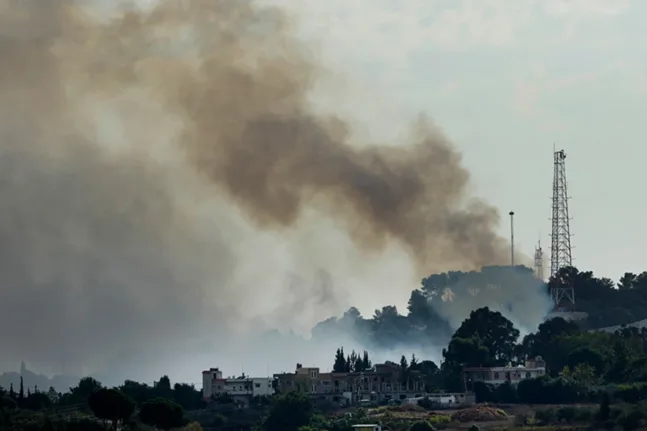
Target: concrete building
(382,382)
(212,382)
(240,388)
(499,375)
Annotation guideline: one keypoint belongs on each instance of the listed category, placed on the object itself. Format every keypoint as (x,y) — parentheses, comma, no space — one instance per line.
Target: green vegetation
(593,379)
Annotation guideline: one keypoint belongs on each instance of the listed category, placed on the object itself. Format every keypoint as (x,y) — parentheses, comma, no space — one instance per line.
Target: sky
(507,81)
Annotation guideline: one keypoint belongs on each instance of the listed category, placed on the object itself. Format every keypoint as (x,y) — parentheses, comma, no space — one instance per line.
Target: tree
(111,405)
(187,396)
(340,361)
(366,362)
(163,388)
(289,413)
(627,281)
(37,401)
(81,393)
(495,332)
(21,392)
(466,352)
(587,356)
(413,364)
(139,392)
(162,413)
(403,363)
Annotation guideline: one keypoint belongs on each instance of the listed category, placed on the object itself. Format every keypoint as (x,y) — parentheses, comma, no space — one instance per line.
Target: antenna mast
(560,247)
(539,261)
(512,239)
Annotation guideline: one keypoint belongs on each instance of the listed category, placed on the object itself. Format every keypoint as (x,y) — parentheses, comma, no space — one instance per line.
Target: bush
(422,426)
(565,414)
(426,403)
(546,416)
(440,419)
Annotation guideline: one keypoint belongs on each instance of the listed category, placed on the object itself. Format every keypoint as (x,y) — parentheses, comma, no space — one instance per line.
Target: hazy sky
(506,79)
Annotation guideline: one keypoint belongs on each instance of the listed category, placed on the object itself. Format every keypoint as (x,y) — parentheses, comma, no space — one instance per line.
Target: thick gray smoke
(163,178)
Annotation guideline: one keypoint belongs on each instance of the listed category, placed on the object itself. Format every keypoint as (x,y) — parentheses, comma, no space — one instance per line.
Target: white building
(499,375)
(213,384)
(250,386)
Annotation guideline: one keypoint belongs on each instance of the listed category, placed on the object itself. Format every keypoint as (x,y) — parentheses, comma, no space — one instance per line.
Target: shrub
(546,416)
(422,426)
(426,403)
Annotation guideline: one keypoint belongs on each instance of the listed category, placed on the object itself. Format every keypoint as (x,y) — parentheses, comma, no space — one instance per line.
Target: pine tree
(340,362)
(405,372)
(21,393)
(12,393)
(403,363)
(353,362)
(366,362)
(414,362)
(359,364)
(349,365)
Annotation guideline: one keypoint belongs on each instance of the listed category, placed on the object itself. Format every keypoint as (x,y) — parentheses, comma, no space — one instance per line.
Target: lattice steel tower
(560,249)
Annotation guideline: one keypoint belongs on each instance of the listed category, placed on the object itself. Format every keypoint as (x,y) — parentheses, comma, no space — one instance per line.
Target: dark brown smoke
(241,90)
(130,137)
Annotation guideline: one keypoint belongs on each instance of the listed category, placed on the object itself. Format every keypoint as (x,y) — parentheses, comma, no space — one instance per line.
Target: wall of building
(209,381)
(250,386)
(214,384)
(500,375)
(385,378)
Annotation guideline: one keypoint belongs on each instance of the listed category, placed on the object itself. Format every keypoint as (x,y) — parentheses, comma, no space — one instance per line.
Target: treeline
(607,303)
(86,405)
(351,363)
(183,394)
(580,364)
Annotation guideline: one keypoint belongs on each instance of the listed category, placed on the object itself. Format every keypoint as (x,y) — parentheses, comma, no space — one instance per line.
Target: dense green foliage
(91,406)
(605,368)
(500,288)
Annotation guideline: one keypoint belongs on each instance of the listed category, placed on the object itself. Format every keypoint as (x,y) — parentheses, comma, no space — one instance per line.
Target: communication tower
(539,261)
(560,248)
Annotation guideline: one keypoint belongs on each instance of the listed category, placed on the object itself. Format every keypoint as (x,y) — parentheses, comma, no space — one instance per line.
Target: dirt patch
(480,414)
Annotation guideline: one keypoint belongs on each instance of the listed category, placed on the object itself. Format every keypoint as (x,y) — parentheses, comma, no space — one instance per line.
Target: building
(240,388)
(382,382)
(499,375)
(212,382)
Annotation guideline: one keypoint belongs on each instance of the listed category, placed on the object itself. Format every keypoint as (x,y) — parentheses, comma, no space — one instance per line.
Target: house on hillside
(242,389)
(500,375)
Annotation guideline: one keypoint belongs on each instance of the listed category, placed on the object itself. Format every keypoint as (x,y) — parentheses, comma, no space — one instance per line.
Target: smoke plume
(162,174)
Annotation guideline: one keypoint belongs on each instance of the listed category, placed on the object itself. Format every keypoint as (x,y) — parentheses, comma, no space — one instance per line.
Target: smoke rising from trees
(163,176)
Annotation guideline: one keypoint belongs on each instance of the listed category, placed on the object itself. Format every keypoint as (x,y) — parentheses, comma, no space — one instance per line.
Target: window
(528,375)
(496,376)
(258,385)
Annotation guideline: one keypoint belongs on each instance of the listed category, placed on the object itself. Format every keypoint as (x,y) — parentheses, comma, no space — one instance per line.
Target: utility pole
(512,239)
